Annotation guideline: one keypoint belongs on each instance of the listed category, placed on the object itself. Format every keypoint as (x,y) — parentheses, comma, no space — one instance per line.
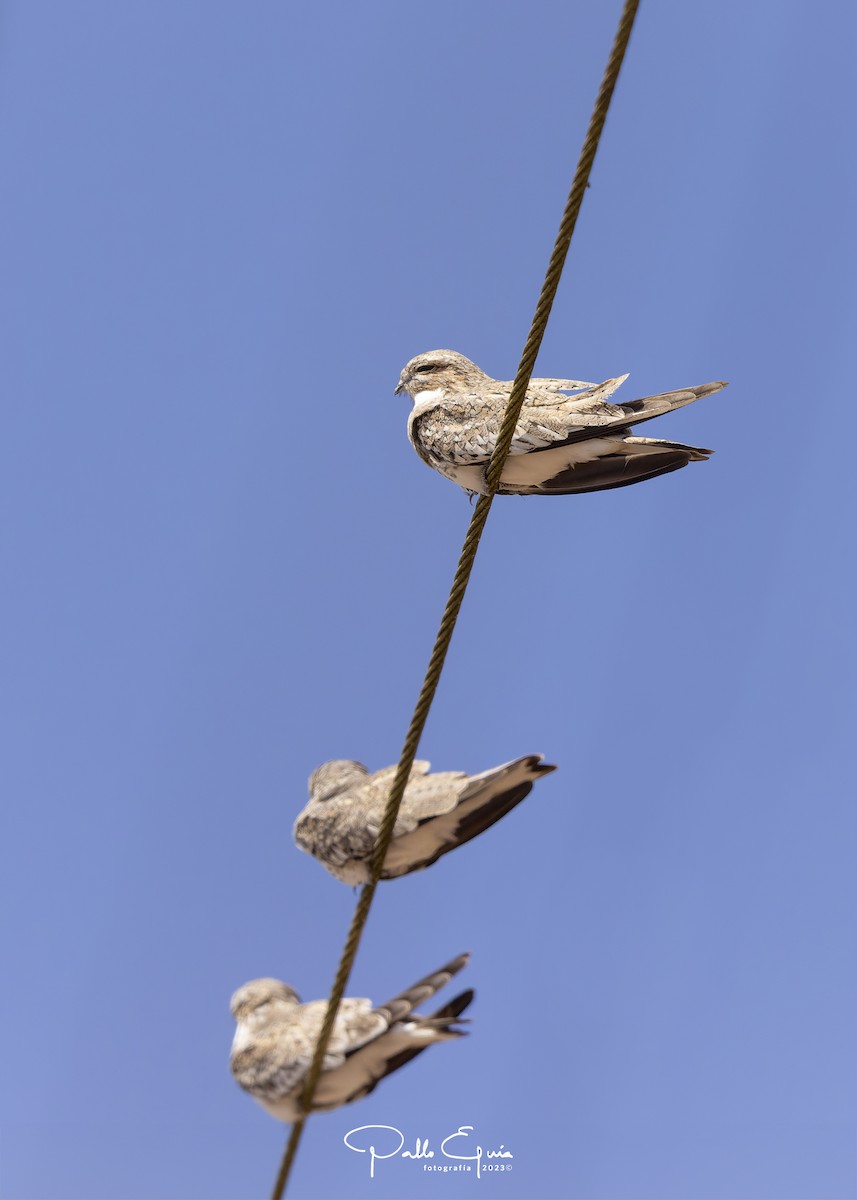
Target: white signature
(421,1149)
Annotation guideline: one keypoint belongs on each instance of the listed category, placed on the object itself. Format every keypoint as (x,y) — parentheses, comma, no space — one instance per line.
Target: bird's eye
(426,367)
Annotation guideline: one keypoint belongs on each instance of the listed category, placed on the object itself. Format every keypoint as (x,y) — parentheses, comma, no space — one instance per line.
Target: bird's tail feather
(647,407)
(650,446)
(441,1022)
(406,1001)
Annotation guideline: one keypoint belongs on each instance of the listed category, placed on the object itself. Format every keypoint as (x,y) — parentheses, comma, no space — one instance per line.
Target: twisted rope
(463,570)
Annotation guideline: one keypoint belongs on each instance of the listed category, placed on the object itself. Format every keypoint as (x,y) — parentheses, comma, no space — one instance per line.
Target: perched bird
(276,1036)
(562,443)
(340,824)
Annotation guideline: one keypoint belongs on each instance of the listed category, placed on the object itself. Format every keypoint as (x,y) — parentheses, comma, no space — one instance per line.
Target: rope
(463,570)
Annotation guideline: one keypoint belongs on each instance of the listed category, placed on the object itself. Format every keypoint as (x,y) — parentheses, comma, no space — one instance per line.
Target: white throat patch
(426,399)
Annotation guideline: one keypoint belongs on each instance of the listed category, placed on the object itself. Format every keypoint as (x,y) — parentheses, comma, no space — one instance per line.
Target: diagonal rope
(463,570)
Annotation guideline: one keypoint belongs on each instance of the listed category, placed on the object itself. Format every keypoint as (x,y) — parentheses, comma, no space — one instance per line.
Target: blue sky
(225,229)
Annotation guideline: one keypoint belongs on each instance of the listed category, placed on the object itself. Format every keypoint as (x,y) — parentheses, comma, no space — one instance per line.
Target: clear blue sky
(225,229)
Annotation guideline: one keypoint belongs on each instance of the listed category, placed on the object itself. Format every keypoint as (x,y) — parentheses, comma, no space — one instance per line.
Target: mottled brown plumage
(439,812)
(276,1035)
(562,443)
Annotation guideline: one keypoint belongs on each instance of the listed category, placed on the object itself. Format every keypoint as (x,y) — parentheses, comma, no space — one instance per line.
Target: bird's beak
(399,388)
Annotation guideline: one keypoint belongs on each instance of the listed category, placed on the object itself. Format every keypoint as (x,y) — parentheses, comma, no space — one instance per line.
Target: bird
(440,811)
(562,443)
(275,1038)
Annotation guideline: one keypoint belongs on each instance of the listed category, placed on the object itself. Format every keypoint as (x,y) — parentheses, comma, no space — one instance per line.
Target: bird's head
(334,777)
(444,369)
(252,997)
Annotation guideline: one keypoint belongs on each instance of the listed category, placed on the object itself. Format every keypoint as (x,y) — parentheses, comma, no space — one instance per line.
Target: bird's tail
(647,407)
(519,770)
(400,1006)
(492,794)
(439,1027)
(442,1022)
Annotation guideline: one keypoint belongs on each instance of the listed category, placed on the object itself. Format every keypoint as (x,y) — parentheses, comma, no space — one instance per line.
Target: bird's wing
(387,774)
(550,419)
(423,793)
(471,805)
(344,828)
(589,414)
(545,391)
(400,1006)
(356,1023)
(279,1056)
(363,1070)
(463,430)
(430,796)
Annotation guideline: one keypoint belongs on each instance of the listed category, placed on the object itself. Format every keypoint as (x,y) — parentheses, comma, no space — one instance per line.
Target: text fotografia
(385,1141)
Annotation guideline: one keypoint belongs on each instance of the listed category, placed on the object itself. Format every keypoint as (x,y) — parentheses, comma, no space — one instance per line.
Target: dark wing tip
(454,1007)
(537,764)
